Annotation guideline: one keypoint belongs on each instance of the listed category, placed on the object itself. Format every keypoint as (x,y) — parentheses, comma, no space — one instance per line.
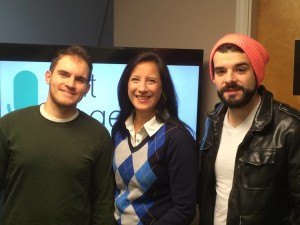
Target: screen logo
(25,90)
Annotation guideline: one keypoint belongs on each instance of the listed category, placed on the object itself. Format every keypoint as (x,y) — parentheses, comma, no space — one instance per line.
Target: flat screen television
(22,82)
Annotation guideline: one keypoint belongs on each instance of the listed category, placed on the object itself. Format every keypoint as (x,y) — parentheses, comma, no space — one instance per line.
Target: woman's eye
(134,79)
(151,81)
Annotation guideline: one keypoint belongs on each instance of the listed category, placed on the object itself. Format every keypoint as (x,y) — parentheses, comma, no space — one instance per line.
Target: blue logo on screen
(25,90)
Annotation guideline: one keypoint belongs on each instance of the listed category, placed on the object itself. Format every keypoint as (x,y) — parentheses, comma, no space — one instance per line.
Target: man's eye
(241,70)
(63,74)
(219,72)
(81,80)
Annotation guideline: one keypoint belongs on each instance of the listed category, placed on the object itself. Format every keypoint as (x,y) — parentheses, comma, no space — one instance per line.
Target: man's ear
(48,76)
(87,88)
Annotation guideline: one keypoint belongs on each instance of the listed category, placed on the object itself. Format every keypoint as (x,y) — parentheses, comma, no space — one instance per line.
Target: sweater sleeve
(103,186)
(3,160)
(182,167)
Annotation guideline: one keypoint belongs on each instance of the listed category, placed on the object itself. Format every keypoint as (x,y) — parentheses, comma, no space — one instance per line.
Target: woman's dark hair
(167,107)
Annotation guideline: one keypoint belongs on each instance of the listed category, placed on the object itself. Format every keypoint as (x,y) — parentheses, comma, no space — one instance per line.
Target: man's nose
(229,76)
(70,82)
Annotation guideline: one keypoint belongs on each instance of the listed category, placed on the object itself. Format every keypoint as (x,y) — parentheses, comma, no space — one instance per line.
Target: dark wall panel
(85,22)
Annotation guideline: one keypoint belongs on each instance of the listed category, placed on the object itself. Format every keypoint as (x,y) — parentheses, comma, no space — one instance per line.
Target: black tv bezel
(116,55)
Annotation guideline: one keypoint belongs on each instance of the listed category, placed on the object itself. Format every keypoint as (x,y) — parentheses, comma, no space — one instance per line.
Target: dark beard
(231,102)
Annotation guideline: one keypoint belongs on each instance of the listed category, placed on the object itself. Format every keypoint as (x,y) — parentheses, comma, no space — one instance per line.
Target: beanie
(256,53)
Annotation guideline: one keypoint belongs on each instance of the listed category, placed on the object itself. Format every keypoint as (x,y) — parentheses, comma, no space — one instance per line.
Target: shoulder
(89,119)
(90,122)
(176,133)
(286,117)
(287,110)
(178,143)
(19,119)
(21,113)
(280,109)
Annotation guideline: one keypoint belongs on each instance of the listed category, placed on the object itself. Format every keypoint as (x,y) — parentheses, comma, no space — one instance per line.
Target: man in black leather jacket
(250,152)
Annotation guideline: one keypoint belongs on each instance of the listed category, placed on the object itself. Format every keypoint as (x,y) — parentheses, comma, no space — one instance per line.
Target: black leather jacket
(266,183)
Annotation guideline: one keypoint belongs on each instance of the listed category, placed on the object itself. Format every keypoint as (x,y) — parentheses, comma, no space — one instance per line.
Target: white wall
(176,24)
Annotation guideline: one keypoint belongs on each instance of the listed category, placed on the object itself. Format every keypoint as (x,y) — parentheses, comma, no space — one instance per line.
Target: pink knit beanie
(257,54)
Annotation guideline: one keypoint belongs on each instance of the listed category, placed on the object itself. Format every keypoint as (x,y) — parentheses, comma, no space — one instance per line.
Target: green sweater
(55,173)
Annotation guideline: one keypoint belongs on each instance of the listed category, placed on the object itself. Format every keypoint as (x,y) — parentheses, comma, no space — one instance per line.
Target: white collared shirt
(149,128)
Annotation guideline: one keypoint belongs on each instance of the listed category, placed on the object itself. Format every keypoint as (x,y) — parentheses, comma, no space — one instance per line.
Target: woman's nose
(142,86)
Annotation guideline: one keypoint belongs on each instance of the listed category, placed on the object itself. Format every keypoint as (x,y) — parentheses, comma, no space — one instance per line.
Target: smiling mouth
(68,92)
(142,97)
(232,89)
(231,93)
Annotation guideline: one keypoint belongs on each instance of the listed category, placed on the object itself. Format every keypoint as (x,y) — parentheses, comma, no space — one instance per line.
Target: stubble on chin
(233,101)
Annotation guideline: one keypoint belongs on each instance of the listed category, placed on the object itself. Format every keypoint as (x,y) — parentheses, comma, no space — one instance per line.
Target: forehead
(72,64)
(226,59)
(74,59)
(147,67)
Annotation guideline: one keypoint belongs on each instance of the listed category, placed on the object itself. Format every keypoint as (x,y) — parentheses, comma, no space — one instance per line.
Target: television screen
(22,80)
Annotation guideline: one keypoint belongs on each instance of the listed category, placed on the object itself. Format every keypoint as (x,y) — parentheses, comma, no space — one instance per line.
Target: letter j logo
(25,90)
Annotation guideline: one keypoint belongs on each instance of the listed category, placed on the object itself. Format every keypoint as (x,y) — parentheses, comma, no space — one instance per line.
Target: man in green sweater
(55,160)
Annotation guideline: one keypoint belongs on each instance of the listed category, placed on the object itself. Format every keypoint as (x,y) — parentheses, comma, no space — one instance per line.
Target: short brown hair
(73,50)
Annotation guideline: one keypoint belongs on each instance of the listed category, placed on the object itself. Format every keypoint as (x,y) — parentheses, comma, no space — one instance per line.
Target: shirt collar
(151,126)
(54,119)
